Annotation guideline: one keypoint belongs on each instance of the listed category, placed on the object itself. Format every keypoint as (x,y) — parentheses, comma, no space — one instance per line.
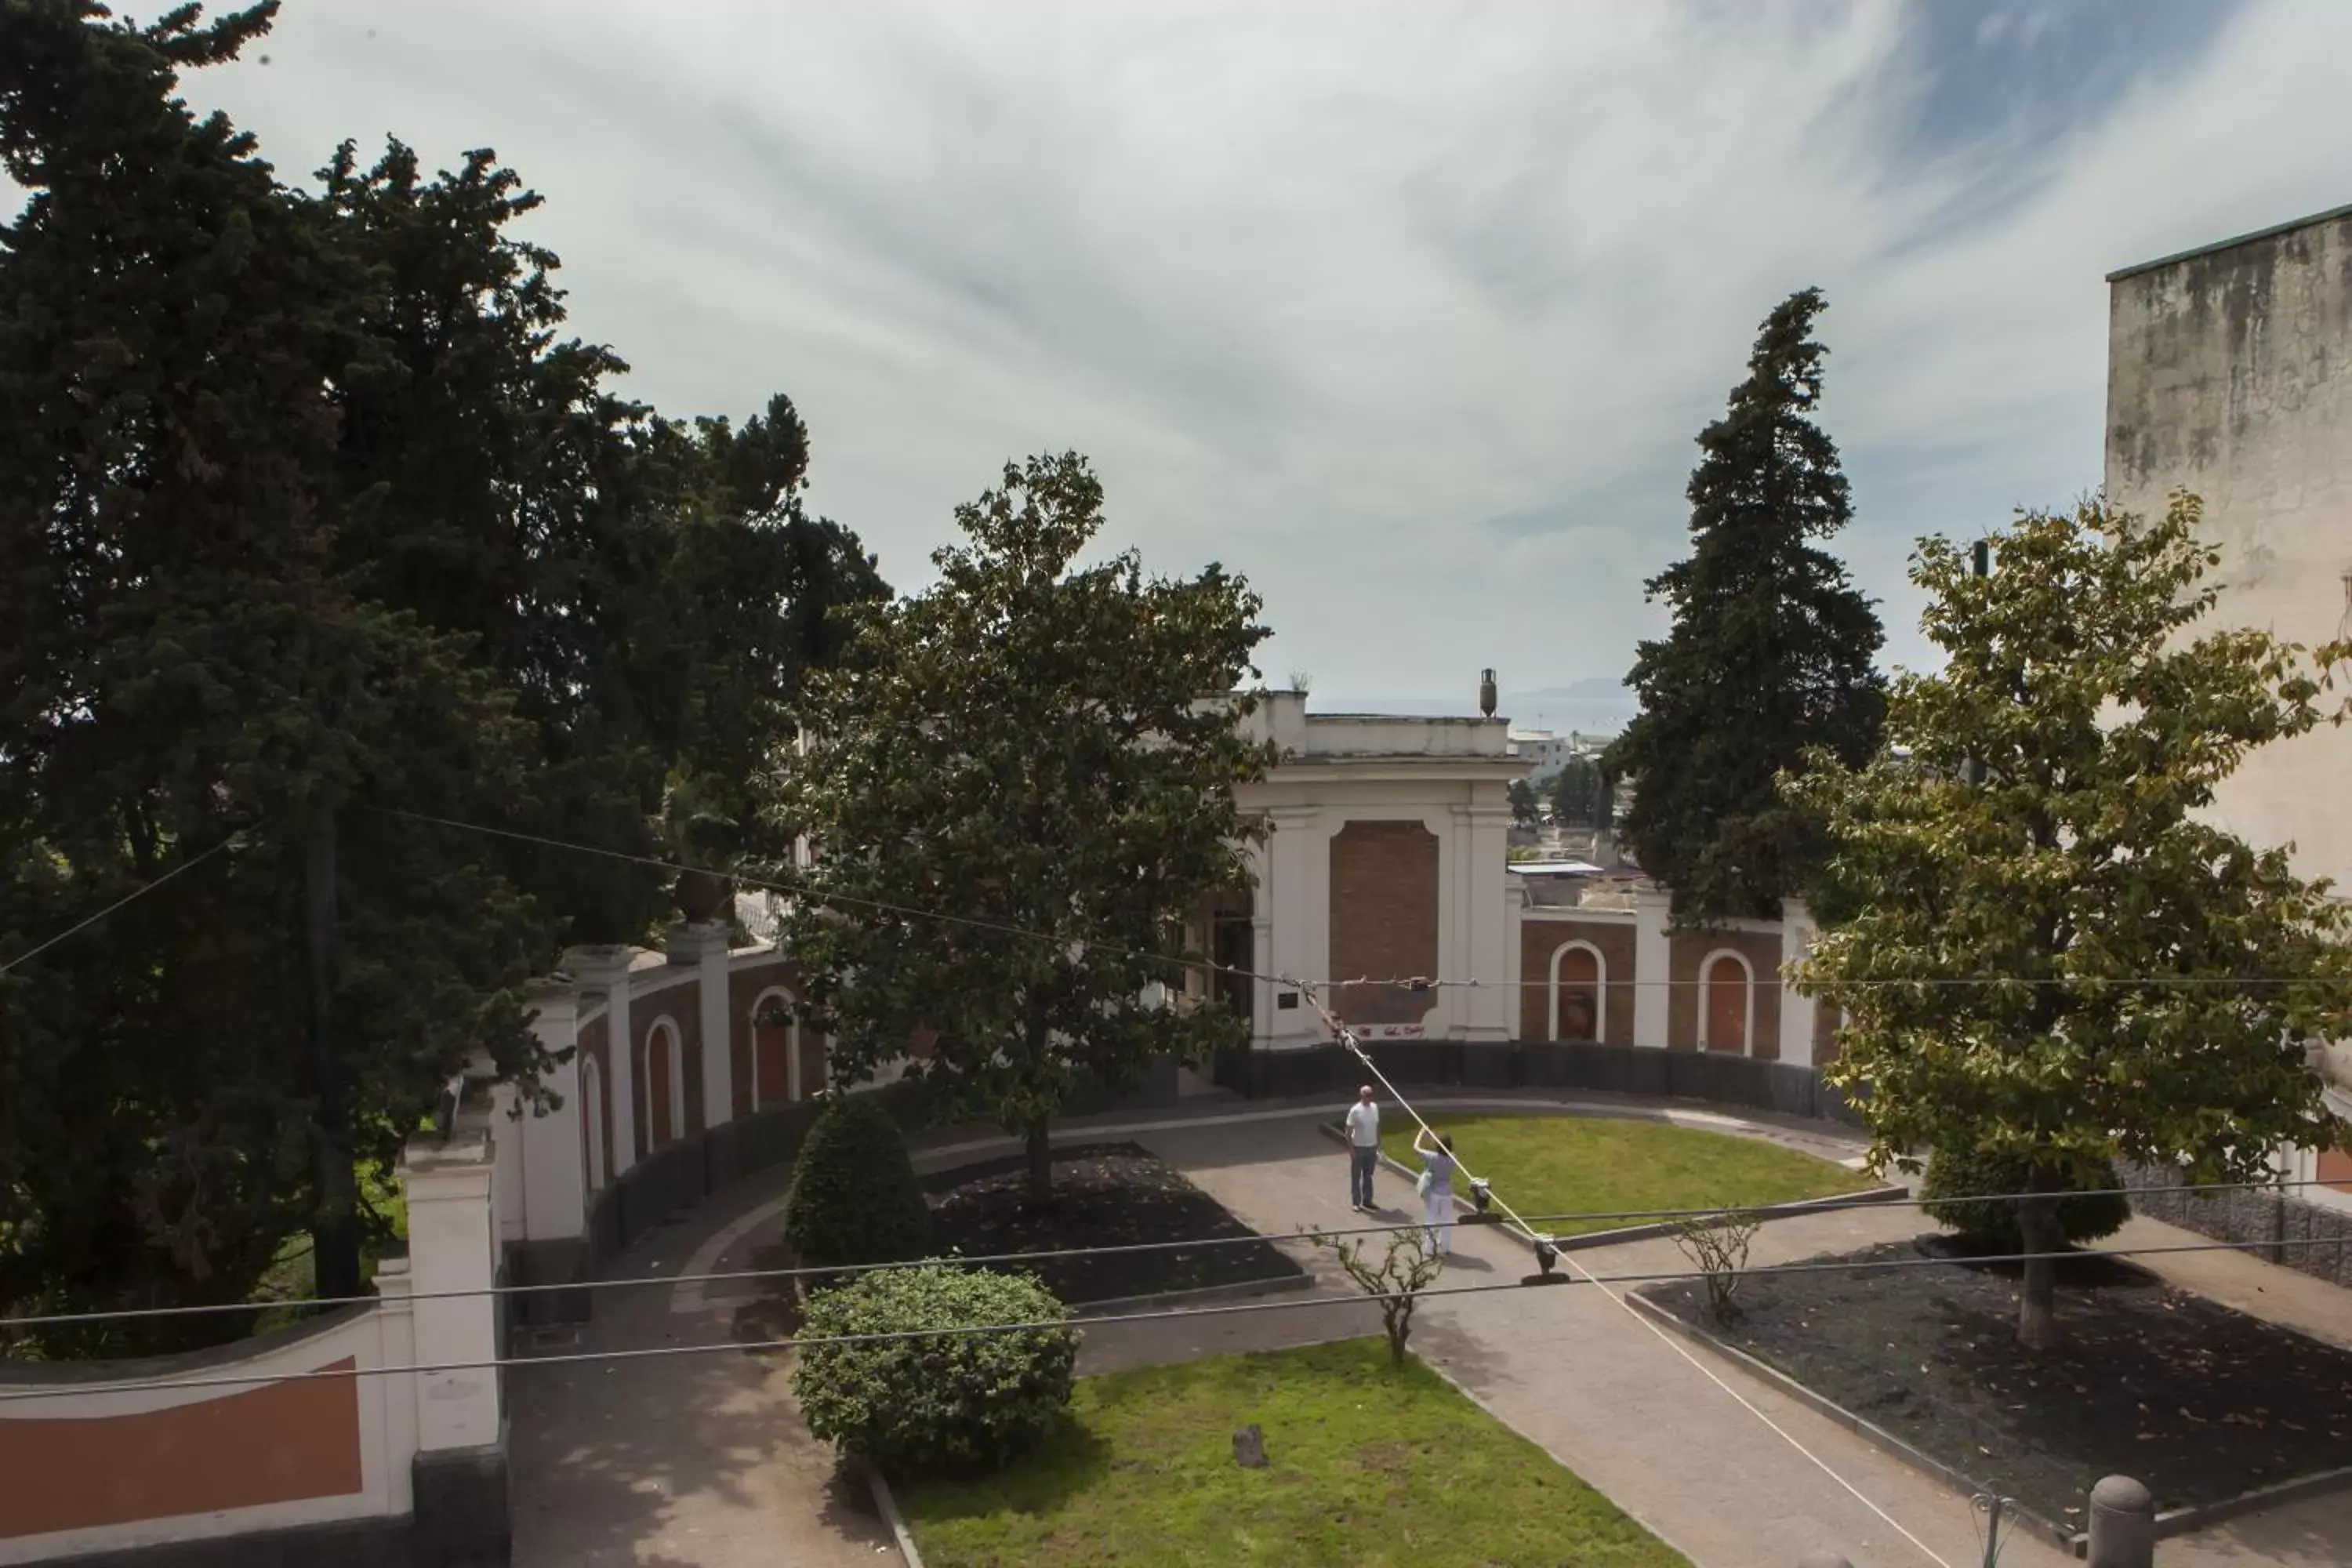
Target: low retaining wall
(2256,1221)
(1784,1089)
(678,1175)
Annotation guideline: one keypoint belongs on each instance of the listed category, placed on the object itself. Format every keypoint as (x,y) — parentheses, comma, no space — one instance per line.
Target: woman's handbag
(1421,1184)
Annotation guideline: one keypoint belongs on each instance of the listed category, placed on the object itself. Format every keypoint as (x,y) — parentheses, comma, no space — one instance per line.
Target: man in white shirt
(1363,1149)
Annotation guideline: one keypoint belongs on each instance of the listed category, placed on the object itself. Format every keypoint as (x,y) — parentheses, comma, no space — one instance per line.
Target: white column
(705,945)
(1515,946)
(452,1247)
(1486,1013)
(554,1166)
(1265,897)
(396,1346)
(1798,1015)
(605,970)
(1299,895)
(1650,964)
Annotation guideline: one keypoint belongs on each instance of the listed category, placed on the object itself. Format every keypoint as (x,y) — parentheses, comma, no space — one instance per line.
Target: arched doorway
(591,1120)
(1580,981)
(1727,998)
(774,1044)
(659,1086)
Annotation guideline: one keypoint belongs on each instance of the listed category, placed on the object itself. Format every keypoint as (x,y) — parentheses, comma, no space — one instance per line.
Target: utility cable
(136,893)
(809,890)
(978,1260)
(1543,1247)
(1663,1277)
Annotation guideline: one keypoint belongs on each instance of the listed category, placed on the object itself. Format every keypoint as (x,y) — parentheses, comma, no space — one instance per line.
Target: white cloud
(1321,289)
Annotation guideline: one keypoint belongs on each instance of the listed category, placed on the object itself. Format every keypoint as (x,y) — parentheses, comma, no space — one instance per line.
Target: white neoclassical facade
(1385,859)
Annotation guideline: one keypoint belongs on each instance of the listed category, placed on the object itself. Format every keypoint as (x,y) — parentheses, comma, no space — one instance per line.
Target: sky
(1409,314)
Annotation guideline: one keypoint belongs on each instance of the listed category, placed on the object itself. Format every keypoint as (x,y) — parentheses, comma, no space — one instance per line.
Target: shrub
(956,1403)
(1958,1181)
(853,1197)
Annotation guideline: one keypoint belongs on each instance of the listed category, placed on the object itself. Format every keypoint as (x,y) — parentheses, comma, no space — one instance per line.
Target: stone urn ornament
(704,896)
(1486,693)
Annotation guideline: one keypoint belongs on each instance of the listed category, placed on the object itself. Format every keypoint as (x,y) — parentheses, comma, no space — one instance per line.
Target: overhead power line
(136,894)
(1286,1303)
(983,1260)
(1547,1253)
(814,891)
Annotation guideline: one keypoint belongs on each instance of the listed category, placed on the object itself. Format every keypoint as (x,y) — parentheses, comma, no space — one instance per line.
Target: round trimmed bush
(1959,1181)
(961,1404)
(853,1197)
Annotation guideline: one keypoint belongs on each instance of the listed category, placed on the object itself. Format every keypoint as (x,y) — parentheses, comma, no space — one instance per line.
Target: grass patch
(1370,1465)
(1566,1164)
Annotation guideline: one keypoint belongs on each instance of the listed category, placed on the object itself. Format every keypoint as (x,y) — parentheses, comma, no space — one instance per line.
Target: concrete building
(2229,376)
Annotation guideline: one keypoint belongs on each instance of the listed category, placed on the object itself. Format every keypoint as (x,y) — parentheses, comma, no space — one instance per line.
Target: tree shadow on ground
(675,1461)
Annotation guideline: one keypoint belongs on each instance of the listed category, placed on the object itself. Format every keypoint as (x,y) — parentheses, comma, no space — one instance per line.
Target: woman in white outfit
(1436,1190)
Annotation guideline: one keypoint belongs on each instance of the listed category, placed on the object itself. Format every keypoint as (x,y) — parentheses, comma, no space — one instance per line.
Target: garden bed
(1103,1195)
(1562,1165)
(2201,1403)
(1366,1463)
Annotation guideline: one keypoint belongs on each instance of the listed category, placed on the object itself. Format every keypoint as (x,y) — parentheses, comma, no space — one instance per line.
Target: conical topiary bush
(853,1197)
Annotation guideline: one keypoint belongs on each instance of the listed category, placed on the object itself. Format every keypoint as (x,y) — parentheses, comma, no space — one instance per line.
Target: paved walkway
(683,1462)
(701,1461)
(1626,1408)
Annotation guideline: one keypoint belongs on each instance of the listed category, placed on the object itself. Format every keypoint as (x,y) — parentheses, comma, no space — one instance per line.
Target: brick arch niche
(1384,919)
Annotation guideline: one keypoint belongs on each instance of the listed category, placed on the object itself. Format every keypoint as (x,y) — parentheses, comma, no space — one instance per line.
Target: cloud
(1409,311)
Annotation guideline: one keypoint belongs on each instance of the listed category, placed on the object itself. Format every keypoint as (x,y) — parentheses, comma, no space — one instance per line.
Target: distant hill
(1598,705)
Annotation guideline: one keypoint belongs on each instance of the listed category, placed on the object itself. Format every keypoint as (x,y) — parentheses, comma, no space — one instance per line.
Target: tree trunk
(335,1231)
(2037,1308)
(1041,1162)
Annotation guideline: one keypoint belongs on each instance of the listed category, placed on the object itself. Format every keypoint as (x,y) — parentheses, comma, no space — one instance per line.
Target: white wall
(2230,374)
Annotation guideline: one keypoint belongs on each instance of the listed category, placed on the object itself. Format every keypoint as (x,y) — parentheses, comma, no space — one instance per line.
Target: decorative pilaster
(1652,962)
(1487,1011)
(704,945)
(604,970)
(452,1248)
(1298,859)
(554,1166)
(1798,1015)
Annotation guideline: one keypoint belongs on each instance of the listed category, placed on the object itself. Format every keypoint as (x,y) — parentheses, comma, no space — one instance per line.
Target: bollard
(2123,1525)
(1824,1560)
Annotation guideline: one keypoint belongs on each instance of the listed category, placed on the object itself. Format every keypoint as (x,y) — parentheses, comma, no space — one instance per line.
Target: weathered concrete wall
(2229,376)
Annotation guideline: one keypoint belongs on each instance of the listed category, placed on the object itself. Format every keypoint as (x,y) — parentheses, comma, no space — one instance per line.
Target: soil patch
(2199,1402)
(1104,1194)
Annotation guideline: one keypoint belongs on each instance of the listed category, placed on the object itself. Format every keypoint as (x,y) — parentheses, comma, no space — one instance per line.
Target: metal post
(1994,1505)
(2123,1525)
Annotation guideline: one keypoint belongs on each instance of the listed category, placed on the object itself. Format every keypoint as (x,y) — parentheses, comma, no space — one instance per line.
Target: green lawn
(1575,1164)
(1370,1466)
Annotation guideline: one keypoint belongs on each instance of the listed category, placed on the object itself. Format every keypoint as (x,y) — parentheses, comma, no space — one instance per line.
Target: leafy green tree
(1771,652)
(1025,746)
(648,589)
(308,516)
(2067,966)
(1576,794)
(1525,809)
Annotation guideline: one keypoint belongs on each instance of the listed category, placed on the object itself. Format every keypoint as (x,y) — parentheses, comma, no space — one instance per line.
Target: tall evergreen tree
(183,662)
(305,510)
(1771,652)
(649,590)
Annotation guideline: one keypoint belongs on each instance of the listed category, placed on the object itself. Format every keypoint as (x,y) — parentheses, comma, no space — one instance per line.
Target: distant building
(1551,751)
(2229,376)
